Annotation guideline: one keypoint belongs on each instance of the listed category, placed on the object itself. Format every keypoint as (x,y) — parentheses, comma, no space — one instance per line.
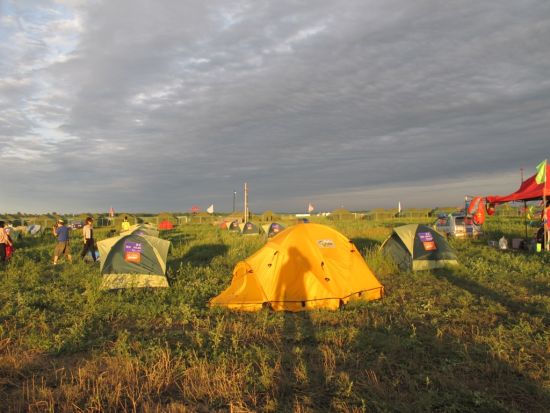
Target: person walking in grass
(88,235)
(5,242)
(62,246)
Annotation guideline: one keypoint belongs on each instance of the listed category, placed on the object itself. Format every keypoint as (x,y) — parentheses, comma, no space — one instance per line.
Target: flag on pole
(310,207)
(541,172)
(210,209)
(111,212)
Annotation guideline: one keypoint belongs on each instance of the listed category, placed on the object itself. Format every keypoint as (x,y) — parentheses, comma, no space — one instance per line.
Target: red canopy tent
(166,225)
(528,191)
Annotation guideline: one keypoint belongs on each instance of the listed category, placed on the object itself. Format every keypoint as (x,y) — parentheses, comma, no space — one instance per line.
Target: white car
(457,226)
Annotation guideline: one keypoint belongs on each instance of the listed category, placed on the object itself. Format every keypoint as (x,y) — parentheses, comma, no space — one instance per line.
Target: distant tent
(249,228)
(166,225)
(223,224)
(34,229)
(272,229)
(233,226)
(133,260)
(304,267)
(418,247)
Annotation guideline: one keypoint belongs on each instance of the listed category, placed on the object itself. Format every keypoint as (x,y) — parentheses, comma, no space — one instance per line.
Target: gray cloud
(158,106)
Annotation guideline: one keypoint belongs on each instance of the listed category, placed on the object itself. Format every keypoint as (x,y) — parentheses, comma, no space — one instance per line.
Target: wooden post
(245,202)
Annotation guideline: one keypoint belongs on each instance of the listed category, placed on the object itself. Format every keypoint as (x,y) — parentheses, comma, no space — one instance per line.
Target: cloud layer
(157,106)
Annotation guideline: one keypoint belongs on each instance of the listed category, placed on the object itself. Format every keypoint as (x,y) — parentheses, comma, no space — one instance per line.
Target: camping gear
(133,260)
(476,210)
(88,257)
(517,243)
(272,229)
(503,243)
(304,267)
(249,228)
(166,225)
(418,247)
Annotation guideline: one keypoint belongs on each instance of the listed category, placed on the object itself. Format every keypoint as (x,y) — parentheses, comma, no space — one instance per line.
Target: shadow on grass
(364,244)
(202,255)
(302,378)
(414,367)
(537,287)
(178,238)
(464,282)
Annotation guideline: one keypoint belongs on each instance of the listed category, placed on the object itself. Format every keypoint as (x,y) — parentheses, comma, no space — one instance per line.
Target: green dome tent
(142,229)
(233,226)
(272,229)
(133,260)
(418,247)
(249,228)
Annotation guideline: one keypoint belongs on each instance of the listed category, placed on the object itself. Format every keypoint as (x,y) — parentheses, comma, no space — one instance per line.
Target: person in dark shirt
(62,246)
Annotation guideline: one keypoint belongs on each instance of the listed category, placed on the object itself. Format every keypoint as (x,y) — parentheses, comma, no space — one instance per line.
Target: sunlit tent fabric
(34,229)
(133,261)
(249,228)
(165,225)
(142,229)
(418,247)
(272,229)
(304,267)
(529,190)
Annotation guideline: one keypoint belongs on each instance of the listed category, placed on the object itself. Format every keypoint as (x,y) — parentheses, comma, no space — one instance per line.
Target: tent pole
(525,218)
(524,208)
(544,216)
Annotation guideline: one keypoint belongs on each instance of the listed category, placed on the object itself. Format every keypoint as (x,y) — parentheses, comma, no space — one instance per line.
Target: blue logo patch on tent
(425,236)
(132,247)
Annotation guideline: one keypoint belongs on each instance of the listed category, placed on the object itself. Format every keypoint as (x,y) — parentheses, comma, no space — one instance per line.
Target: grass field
(472,338)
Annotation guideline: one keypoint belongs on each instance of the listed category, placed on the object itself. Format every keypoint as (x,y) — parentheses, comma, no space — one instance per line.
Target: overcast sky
(161,105)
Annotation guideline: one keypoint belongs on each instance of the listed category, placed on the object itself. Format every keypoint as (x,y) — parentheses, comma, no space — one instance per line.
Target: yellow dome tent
(304,267)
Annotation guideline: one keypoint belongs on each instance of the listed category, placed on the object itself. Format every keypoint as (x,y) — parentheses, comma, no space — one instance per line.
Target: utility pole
(521,171)
(245,202)
(234,199)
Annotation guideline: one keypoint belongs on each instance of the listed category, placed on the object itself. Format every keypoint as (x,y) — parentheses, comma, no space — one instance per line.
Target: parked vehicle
(75,224)
(457,225)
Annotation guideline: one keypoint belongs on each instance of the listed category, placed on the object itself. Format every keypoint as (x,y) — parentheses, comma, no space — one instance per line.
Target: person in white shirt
(88,235)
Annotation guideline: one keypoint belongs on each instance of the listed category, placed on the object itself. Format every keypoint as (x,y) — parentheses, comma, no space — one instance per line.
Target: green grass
(472,338)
